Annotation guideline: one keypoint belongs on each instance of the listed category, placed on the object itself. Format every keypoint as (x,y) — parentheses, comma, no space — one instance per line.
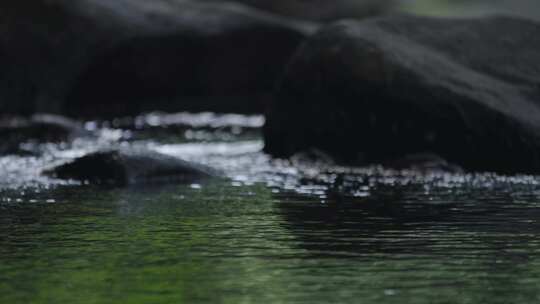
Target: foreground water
(276,231)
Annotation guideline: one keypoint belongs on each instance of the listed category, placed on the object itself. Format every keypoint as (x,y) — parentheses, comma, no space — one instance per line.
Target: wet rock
(524,8)
(133,166)
(109,58)
(40,128)
(62,127)
(313,157)
(423,163)
(377,90)
(323,10)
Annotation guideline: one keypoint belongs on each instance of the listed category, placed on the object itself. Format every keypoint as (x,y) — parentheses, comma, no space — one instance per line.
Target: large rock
(376,90)
(131,166)
(474,8)
(112,57)
(38,129)
(323,10)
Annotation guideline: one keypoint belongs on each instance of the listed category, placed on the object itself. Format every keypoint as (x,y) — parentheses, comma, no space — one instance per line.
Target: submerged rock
(423,163)
(107,58)
(134,166)
(377,90)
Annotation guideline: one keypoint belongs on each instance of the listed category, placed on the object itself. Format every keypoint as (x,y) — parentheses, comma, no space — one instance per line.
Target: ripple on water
(277,231)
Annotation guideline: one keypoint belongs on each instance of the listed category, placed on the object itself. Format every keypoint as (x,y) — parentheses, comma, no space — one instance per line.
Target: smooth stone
(131,166)
(107,58)
(372,91)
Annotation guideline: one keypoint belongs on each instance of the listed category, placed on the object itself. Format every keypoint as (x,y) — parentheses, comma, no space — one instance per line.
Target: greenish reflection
(226,244)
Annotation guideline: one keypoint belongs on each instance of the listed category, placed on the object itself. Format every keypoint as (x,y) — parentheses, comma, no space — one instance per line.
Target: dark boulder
(40,128)
(423,163)
(373,91)
(106,58)
(323,10)
(131,166)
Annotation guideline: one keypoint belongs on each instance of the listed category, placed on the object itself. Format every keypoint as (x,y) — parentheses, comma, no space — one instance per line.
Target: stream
(274,231)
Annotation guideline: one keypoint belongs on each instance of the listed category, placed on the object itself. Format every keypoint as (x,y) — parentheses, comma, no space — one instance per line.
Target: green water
(244,244)
(275,231)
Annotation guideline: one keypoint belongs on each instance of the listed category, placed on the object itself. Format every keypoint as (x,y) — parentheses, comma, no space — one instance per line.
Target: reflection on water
(232,244)
(277,232)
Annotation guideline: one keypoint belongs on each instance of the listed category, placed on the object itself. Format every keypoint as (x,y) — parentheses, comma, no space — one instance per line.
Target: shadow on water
(475,223)
(489,239)
(426,245)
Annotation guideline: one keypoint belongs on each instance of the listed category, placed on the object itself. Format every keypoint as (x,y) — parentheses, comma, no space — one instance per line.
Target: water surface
(276,232)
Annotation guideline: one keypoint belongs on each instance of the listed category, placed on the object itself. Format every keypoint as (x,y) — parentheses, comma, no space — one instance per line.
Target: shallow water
(277,231)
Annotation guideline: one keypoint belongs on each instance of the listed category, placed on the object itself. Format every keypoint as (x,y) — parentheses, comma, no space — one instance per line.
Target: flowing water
(276,231)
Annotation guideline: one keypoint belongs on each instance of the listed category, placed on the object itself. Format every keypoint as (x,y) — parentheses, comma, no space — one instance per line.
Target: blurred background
(525,8)
(328,10)
(109,56)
